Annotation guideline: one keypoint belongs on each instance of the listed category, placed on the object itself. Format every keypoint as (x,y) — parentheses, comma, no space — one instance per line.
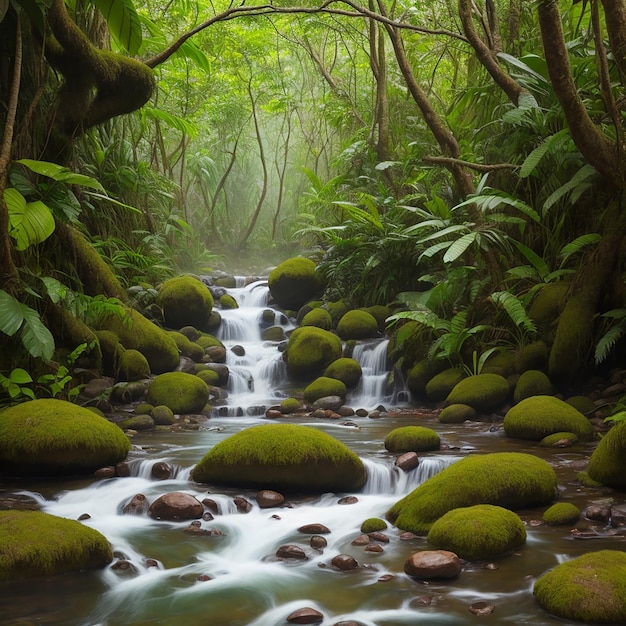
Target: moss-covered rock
(590,589)
(456,414)
(181,392)
(584,404)
(139,333)
(347,370)
(532,383)
(310,351)
(318,317)
(539,416)
(290,405)
(607,464)
(373,525)
(137,422)
(323,387)
(35,544)
(282,457)
(162,415)
(513,480)
(441,384)
(132,366)
(185,301)
(56,437)
(337,310)
(380,313)
(548,304)
(501,362)
(274,333)
(357,324)
(294,282)
(209,376)
(187,348)
(561,513)
(533,356)
(226,301)
(208,341)
(111,349)
(478,532)
(420,374)
(552,440)
(483,392)
(412,439)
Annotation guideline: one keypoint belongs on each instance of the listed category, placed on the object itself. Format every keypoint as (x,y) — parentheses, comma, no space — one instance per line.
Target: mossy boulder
(185,301)
(337,310)
(132,366)
(310,351)
(55,437)
(584,404)
(138,333)
(324,387)
(208,341)
(441,384)
(607,464)
(478,532)
(380,313)
(35,544)
(558,438)
(290,405)
(539,416)
(181,392)
(561,513)
(318,317)
(137,422)
(345,369)
(532,383)
(294,282)
(111,349)
(209,376)
(590,589)
(357,324)
(483,392)
(456,414)
(226,301)
(162,415)
(282,457)
(533,356)
(412,439)
(373,525)
(187,348)
(513,480)
(420,374)
(548,304)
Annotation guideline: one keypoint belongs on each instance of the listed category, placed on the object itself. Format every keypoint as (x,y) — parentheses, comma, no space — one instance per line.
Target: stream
(164,574)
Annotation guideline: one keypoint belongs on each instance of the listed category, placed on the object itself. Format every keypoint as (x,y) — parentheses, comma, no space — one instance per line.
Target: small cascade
(145,469)
(373,387)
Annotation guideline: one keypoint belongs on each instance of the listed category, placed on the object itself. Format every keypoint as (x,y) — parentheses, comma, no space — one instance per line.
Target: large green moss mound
(561,513)
(37,544)
(513,480)
(532,383)
(324,387)
(590,589)
(607,464)
(48,436)
(181,392)
(412,439)
(318,317)
(442,383)
(357,324)
(421,374)
(539,416)
(185,301)
(282,457)
(347,370)
(478,532)
(310,351)
(483,392)
(294,282)
(139,333)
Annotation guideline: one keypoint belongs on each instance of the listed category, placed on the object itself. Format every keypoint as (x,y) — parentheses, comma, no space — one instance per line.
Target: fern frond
(515,309)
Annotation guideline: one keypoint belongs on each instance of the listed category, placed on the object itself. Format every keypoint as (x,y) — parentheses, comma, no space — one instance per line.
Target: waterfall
(372,389)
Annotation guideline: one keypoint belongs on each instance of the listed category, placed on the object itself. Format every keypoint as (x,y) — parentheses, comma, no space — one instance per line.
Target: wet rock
(344,562)
(305,615)
(210,504)
(346,411)
(318,542)
(273,414)
(161,471)
(291,551)
(122,469)
(314,529)
(216,354)
(105,472)
(348,623)
(618,517)
(83,517)
(421,601)
(266,498)
(202,578)
(362,413)
(124,567)
(407,461)
(433,564)
(243,506)
(207,516)
(97,386)
(348,500)
(598,512)
(481,608)
(195,528)
(176,506)
(407,536)
(385,578)
(318,413)
(137,505)
(361,540)
(152,563)
(328,403)
(374,547)
(378,536)
(238,350)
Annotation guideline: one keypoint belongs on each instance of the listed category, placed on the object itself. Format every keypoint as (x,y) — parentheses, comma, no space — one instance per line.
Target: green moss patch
(310,351)
(442,383)
(133,366)
(185,301)
(483,392)
(456,414)
(513,480)
(323,387)
(357,324)
(181,392)
(373,524)
(607,464)
(478,532)
(590,589)
(539,416)
(532,383)
(37,544)
(347,370)
(561,513)
(412,439)
(294,282)
(57,437)
(318,317)
(282,457)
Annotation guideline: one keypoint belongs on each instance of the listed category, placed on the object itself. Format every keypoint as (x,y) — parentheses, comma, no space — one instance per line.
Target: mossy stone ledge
(478,532)
(607,464)
(181,392)
(282,457)
(537,417)
(590,589)
(310,351)
(483,392)
(35,544)
(513,480)
(55,437)
(294,282)
(185,301)
(412,439)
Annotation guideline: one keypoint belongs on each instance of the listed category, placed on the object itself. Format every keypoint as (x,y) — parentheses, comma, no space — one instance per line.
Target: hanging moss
(35,544)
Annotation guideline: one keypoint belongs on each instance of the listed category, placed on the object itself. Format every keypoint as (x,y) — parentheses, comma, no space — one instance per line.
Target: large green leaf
(123,23)
(36,338)
(459,247)
(173,121)
(11,314)
(30,223)
(60,174)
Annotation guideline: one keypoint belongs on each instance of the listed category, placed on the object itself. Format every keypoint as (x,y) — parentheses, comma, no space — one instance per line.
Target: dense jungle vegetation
(463,159)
